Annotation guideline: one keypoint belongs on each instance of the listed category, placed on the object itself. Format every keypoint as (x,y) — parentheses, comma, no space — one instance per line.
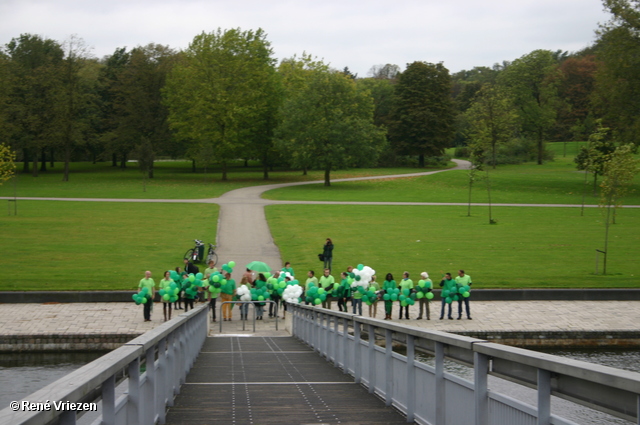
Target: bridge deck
(272,380)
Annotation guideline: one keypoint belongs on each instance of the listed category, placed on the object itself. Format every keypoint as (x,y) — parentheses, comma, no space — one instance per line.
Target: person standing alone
(147,282)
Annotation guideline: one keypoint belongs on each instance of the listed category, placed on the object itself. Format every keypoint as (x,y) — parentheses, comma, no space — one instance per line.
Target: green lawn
(529,247)
(97,245)
(556,182)
(172,180)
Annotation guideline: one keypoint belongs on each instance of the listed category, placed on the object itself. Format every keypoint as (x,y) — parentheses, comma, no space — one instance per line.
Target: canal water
(24,373)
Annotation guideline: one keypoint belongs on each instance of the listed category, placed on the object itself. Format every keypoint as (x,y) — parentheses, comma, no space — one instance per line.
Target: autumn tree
(330,122)
(221,90)
(7,165)
(423,115)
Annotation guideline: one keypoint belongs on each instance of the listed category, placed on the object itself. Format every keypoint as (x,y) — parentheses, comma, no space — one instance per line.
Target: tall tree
(75,97)
(35,64)
(219,92)
(533,88)
(423,115)
(142,114)
(330,121)
(617,80)
(492,120)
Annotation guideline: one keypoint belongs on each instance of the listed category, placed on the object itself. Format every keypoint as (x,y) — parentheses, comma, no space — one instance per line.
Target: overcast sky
(357,34)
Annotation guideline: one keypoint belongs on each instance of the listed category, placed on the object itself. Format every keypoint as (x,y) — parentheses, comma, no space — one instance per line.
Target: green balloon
(232,264)
(448,300)
(445,293)
(421,283)
(386,297)
(429,295)
(360,267)
(394,297)
(466,294)
(166,297)
(420,295)
(317,301)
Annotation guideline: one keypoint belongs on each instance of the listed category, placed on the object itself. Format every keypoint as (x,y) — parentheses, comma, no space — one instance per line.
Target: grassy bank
(97,245)
(529,247)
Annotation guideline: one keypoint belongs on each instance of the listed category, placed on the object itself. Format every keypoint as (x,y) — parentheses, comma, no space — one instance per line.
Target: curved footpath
(244,236)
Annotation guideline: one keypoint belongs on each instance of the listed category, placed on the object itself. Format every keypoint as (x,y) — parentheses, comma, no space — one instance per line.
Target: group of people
(343,292)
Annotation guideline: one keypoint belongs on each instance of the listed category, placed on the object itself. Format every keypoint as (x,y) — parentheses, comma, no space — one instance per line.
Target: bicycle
(211,254)
(193,254)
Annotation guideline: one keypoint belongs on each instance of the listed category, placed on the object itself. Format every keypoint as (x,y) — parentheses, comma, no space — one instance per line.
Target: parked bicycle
(195,254)
(211,254)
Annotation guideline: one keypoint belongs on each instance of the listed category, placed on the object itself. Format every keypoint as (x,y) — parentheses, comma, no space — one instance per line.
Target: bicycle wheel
(189,254)
(212,256)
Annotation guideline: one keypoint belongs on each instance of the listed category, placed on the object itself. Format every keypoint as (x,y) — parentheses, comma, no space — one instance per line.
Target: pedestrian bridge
(334,368)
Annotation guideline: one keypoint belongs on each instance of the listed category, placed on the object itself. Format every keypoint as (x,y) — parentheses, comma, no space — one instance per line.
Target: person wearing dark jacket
(327,253)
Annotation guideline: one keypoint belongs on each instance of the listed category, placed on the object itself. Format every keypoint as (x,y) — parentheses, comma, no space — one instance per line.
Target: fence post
(480,372)
(357,365)
(439,387)
(388,365)
(544,397)
(133,404)
(345,344)
(411,379)
(109,401)
(372,359)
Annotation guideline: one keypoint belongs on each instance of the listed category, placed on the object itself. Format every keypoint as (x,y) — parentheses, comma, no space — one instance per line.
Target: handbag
(321,257)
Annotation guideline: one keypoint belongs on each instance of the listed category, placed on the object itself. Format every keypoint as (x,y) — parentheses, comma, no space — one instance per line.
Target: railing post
(163,379)
(134,415)
(439,387)
(336,340)
(544,397)
(357,364)
(480,372)
(372,359)
(149,407)
(345,344)
(411,379)
(388,367)
(109,401)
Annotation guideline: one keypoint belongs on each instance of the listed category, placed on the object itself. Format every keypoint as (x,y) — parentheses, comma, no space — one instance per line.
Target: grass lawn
(529,247)
(556,182)
(97,245)
(173,180)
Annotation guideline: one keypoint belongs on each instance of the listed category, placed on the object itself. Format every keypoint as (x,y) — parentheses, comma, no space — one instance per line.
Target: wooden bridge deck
(272,380)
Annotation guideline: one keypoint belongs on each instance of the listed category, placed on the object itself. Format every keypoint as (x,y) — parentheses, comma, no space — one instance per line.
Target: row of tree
(225,97)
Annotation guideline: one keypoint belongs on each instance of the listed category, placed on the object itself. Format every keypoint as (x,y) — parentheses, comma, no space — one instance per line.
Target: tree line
(225,97)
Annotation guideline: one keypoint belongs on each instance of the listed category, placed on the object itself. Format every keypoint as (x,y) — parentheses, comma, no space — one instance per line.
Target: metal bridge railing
(363,348)
(151,368)
(244,318)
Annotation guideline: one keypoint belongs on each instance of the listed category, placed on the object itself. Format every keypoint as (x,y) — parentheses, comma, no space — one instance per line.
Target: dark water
(24,373)
(619,358)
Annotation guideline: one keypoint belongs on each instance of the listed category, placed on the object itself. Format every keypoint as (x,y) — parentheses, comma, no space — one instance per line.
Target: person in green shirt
(150,284)
(343,291)
(447,284)
(214,293)
(311,280)
(405,283)
(210,270)
(388,286)
(227,292)
(373,307)
(326,281)
(463,280)
(164,283)
(424,301)
(287,269)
